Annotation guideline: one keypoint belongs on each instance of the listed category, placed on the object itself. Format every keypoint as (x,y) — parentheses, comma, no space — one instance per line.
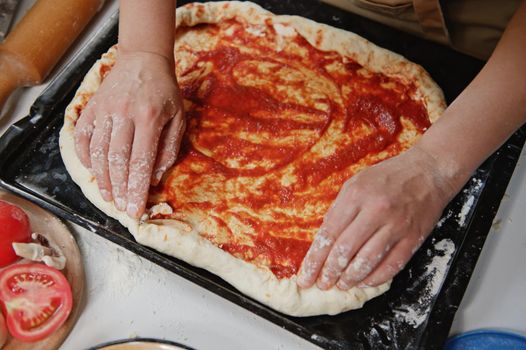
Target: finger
(168,147)
(393,263)
(322,244)
(100,143)
(339,215)
(313,261)
(367,258)
(83,134)
(119,159)
(340,208)
(141,167)
(346,246)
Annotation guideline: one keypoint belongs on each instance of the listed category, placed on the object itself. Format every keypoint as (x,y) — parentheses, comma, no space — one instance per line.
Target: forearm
(147,26)
(486,113)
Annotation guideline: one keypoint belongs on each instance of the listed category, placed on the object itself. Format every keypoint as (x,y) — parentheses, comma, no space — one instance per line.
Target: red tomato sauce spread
(275,127)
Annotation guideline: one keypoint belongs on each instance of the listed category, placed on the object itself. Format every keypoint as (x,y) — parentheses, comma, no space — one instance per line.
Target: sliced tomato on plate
(14,227)
(36,300)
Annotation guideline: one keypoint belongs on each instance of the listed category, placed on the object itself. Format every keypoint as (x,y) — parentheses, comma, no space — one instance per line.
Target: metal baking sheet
(418,309)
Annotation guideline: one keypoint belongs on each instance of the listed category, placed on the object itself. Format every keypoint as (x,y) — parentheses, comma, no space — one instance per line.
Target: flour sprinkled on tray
(435,272)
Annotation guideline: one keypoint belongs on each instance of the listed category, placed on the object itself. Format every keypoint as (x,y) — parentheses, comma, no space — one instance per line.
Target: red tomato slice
(14,227)
(36,300)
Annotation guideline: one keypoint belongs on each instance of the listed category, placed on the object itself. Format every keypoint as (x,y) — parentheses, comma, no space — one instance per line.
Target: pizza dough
(249,218)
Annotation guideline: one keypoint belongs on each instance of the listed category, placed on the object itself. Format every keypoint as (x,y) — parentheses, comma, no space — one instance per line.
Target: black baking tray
(416,312)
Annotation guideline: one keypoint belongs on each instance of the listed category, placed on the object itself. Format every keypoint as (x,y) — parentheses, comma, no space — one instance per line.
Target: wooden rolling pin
(39,40)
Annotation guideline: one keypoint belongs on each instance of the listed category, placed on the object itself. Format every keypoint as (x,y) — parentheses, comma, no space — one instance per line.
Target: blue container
(486,339)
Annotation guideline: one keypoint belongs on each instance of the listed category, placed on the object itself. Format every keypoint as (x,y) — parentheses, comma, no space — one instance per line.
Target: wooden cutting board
(44,222)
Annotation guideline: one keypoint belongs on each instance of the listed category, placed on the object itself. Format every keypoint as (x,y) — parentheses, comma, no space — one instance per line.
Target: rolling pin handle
(8,84)
(37,42)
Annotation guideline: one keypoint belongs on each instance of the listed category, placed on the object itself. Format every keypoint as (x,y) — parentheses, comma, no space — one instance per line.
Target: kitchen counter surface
(128,296)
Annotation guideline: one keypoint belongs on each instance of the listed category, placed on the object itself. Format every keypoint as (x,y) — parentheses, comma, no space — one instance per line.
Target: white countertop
(128,296)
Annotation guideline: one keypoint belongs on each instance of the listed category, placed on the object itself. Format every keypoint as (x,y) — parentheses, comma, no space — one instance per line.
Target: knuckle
(312,259)
(120,123)
(396,230)
(390,270)
(151,128)
(135,198)
(398,265)
(373,255)
(351,189)
(101,127)
(360,267)
(100,175)
(340,257)
(138,182)
(329,272)
(135,185)
(376,279)
(122,104)
(383,203)
(98,172)
(103,182)
(377,255)
(97,154)
(327,279)
(117,159)
(118,190)
(331,263)
(141,165)
(328,229)
(323,240)
(83,131)
(87,115)
(149,110)
(310,269)
(333,225)
(345,280)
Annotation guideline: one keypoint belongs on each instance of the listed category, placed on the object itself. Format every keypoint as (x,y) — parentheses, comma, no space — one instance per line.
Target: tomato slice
(36,300)
(14,227)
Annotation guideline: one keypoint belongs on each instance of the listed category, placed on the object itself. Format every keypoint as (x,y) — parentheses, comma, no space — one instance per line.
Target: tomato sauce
(276,186)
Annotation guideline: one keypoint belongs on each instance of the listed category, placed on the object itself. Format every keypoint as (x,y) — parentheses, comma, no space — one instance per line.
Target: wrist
(125,51)
(147,26)
(449,174)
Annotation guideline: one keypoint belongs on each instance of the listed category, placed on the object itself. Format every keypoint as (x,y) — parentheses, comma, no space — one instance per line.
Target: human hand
(379,219)
(130,131)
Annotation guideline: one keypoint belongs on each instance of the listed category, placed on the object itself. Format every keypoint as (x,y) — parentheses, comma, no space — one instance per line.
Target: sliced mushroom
(42,250)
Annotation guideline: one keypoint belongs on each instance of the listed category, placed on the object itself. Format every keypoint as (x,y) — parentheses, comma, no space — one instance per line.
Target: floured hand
(379,219)
(130,131)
